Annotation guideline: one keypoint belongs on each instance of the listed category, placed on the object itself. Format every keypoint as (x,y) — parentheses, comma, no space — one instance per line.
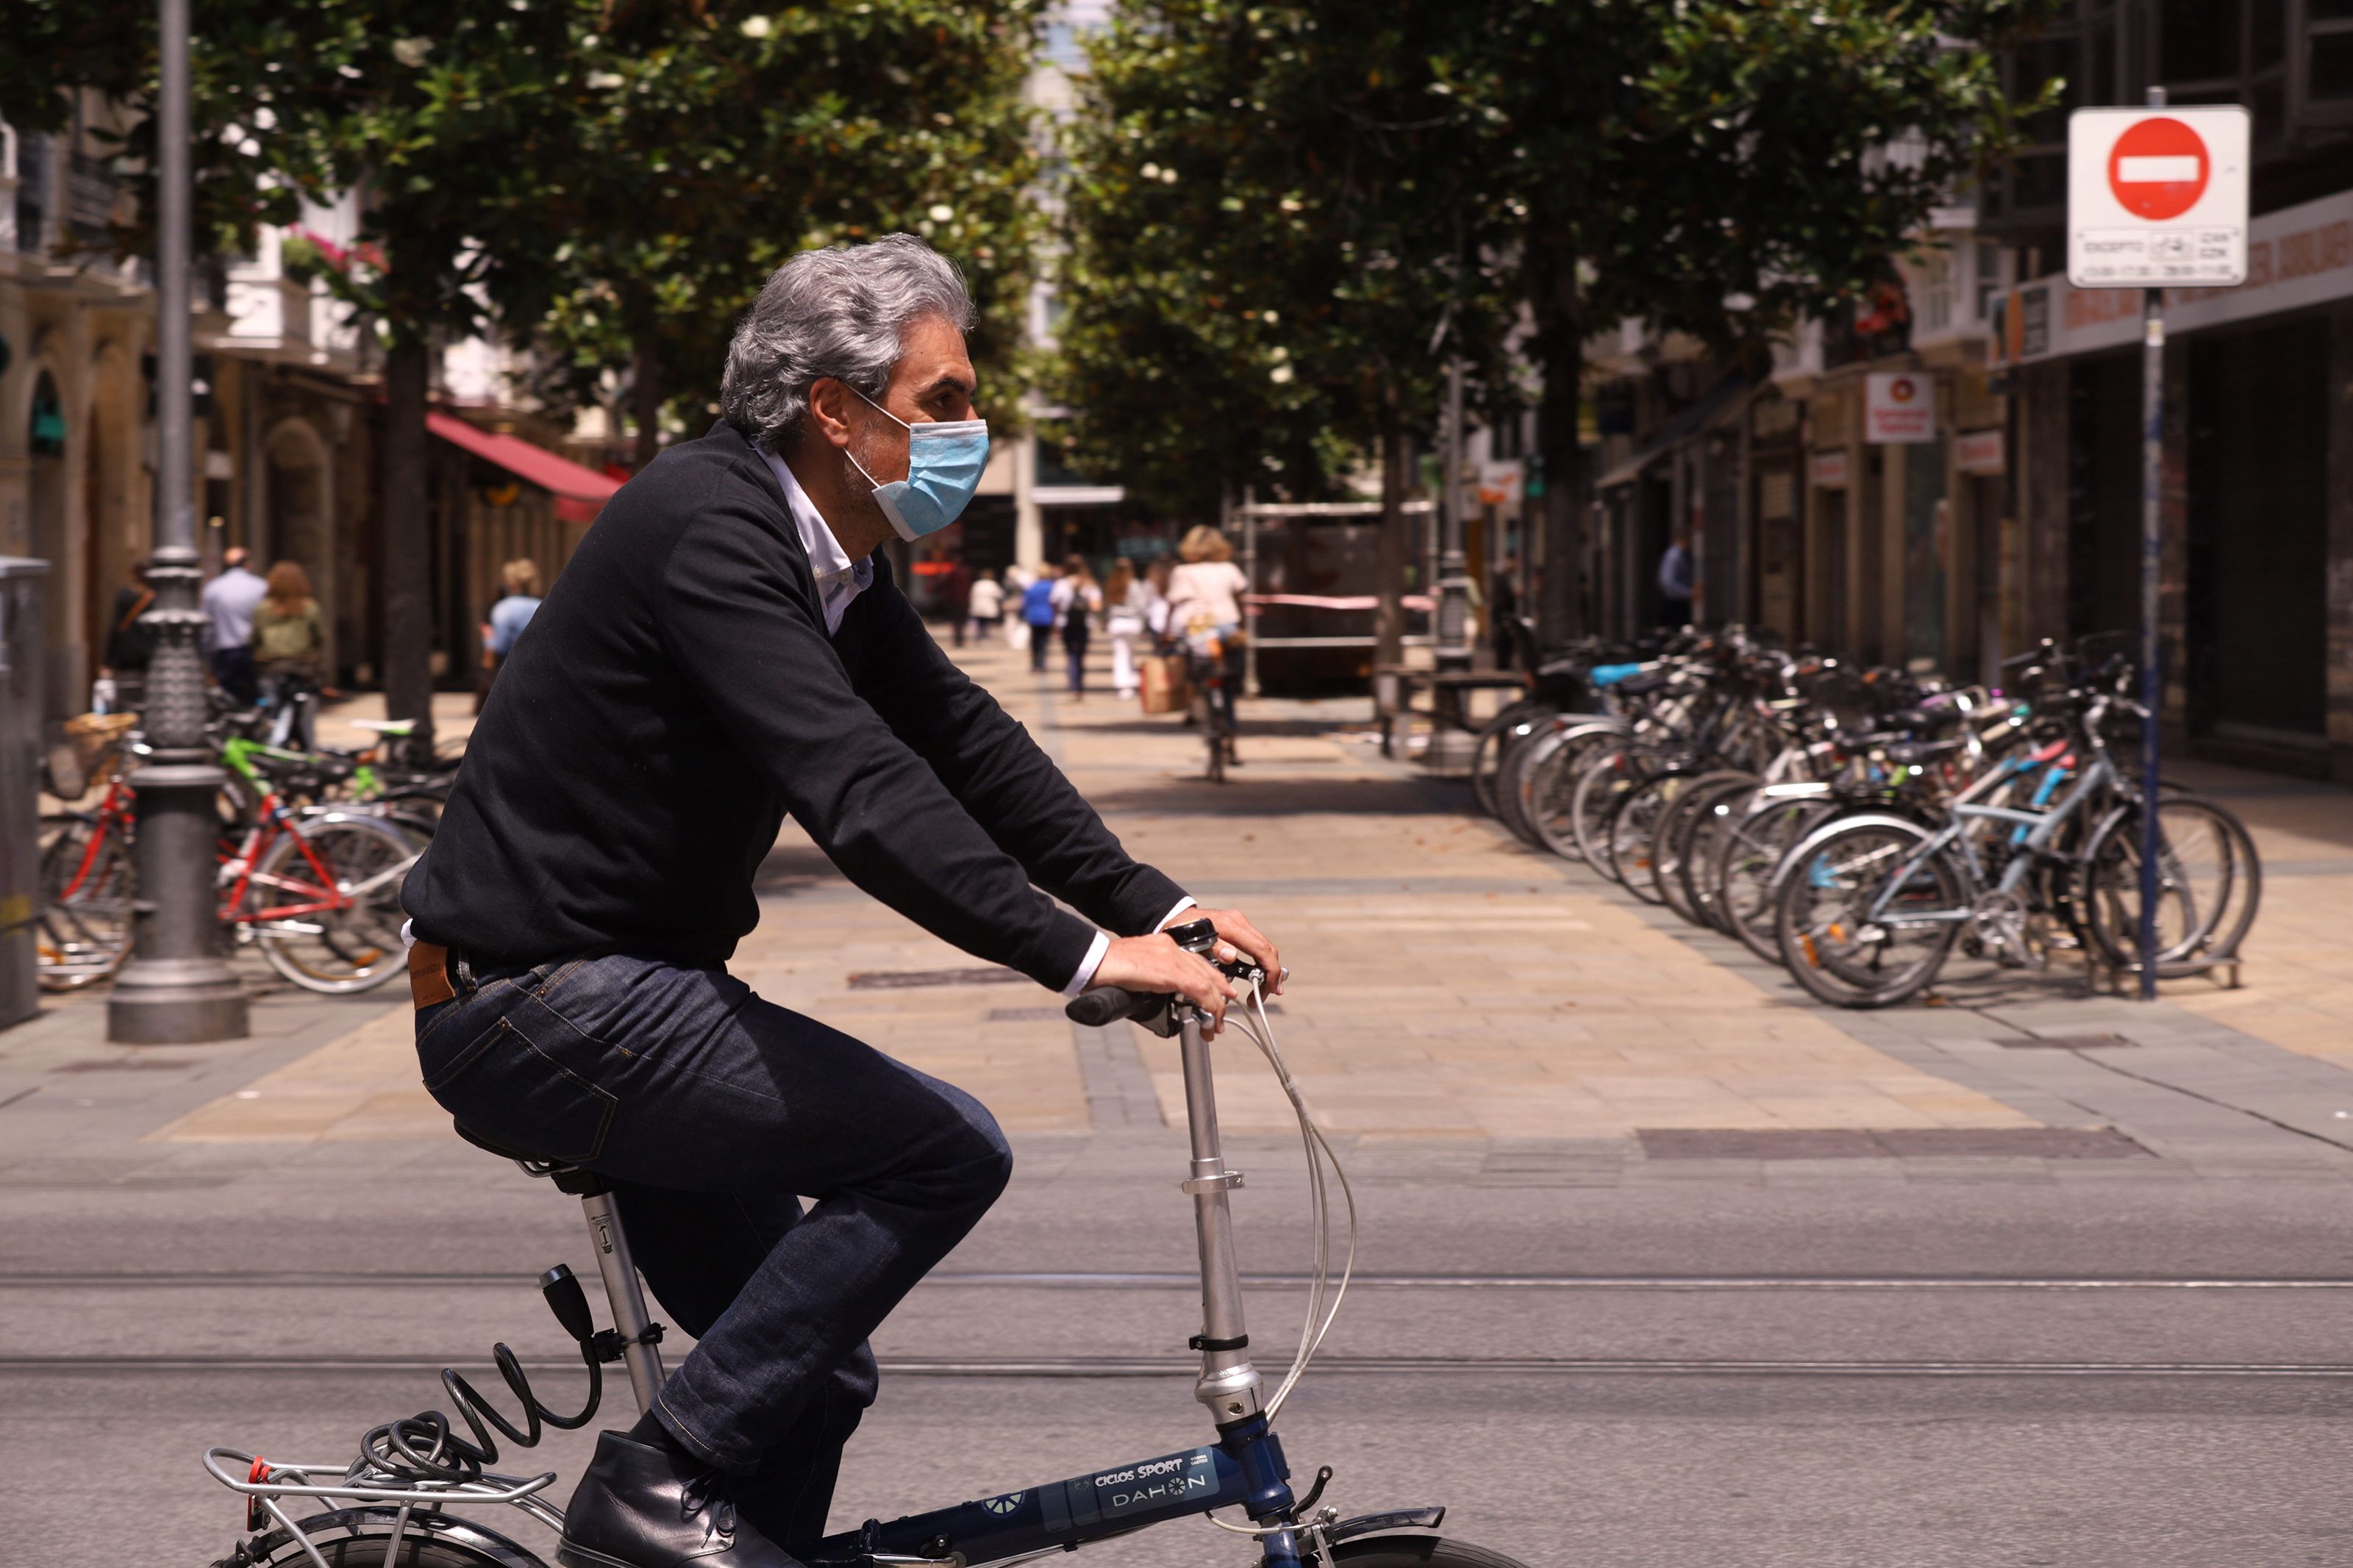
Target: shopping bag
(1163,683)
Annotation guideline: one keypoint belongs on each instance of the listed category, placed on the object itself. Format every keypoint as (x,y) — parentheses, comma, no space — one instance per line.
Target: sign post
(2156,197)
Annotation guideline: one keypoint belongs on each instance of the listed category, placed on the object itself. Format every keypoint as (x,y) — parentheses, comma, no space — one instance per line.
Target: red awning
(578,492)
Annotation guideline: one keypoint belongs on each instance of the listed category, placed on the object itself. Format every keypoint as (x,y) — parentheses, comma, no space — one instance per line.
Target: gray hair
(839,313)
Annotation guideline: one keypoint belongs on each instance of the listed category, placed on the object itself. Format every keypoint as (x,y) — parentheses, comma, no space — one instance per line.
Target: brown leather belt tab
(428,975)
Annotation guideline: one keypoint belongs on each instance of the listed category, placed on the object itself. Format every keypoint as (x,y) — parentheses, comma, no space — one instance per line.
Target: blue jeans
(707,1110)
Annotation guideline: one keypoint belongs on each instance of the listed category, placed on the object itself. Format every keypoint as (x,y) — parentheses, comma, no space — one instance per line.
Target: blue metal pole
(2152,471)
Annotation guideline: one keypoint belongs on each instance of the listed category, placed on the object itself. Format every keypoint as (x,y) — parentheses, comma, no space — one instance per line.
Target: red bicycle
(318,891)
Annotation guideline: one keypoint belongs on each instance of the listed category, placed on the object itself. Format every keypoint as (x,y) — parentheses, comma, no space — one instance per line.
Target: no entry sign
(2157,196)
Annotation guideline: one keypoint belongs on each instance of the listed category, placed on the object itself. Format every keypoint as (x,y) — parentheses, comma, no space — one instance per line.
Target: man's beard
(862,444)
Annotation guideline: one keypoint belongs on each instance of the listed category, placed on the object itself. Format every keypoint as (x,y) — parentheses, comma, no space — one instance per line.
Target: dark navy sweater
(677,695)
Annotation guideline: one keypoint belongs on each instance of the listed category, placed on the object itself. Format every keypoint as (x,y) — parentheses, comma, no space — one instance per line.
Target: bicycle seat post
(1228,1384)
(642,1357)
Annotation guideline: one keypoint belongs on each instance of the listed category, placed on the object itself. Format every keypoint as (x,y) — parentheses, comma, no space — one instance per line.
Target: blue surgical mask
(944,468)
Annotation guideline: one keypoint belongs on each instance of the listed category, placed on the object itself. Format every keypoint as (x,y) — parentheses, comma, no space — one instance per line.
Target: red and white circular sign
(1902,390)
(2159,169)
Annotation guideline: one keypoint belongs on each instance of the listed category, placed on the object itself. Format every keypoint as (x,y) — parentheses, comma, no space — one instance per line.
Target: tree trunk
(1557,346)
(407,541)
(645,396)
(1389,555)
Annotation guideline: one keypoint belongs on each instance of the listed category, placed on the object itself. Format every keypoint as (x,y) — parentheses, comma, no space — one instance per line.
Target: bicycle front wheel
(84,925)
(324,903)
(1747,863)
(1865,919)
(1416,1551)
(2209,884)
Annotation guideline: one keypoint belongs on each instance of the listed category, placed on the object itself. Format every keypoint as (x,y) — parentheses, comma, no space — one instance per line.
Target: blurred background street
(1688,542)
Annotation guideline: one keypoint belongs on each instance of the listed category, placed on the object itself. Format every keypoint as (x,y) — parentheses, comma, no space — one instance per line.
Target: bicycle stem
(1228,1384)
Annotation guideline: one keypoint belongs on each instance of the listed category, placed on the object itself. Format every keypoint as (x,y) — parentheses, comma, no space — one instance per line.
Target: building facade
(288,427)
(2257,498)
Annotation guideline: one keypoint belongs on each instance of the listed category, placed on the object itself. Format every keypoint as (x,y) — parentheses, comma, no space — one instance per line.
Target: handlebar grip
(1109,1003)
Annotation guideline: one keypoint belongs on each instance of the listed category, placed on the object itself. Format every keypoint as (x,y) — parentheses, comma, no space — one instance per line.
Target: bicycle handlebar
(1109,1003)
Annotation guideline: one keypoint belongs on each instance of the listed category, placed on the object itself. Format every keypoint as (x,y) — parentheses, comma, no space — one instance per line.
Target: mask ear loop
(875,483)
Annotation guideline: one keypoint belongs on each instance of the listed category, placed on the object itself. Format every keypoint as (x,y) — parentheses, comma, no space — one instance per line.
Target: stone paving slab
(1453,990)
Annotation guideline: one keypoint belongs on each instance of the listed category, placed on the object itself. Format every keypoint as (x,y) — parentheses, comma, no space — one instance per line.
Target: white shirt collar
(839,578)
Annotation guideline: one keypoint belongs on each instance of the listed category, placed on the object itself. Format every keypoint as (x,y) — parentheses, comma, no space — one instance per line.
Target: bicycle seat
(1926,719)
(1915,753)
(569,1178)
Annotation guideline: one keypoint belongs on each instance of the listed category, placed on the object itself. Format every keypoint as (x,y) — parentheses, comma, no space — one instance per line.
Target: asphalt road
(1702,1366)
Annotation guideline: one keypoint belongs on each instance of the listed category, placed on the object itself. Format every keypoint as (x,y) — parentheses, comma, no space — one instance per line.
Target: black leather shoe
(644,1507)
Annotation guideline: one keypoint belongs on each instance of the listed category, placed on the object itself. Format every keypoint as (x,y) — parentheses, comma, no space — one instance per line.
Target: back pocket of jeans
(553,1110)
(443,1051)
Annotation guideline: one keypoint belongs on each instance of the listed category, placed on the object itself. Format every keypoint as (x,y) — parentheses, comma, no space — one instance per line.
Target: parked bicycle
(312,882)
(1707,776)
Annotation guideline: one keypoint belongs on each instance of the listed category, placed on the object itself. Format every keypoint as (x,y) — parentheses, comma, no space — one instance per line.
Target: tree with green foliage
(605,181)
(1266,234)
(1720,167)
(711,143)
(1717,167)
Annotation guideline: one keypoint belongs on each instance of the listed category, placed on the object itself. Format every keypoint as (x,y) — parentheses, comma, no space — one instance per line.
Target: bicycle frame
(2039,829)
(1244,1468)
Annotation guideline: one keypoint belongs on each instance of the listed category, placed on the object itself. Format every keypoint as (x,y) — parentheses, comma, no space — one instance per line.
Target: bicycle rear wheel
(1548,796)
(1603,778)
(1671,839)
(1634,830)
(324,903)
(1488,751)
(1710,821)
(360,1537)
(1863,920)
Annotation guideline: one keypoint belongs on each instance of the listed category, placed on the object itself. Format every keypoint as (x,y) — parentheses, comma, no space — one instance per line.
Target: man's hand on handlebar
(1156,964)
(1236,937)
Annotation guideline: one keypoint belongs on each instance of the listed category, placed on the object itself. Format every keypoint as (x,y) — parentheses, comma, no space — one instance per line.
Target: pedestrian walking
(507,618)
(228,601)
(986,605)
(1077,599)
(290,642)
(1038,615)
(1676,581)
(1126,600)
(955,598)
(731,647)
(1017,579)
(129,645)
(1156,601)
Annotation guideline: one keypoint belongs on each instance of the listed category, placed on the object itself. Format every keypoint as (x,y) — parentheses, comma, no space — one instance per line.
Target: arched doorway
(68,670)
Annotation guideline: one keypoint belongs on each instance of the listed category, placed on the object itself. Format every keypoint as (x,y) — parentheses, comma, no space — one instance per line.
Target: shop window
(1988,279)
(1936,291)
(47,434)
(2332,67)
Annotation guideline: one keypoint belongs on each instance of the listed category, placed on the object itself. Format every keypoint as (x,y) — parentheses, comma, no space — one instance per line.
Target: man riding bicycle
(726,647)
